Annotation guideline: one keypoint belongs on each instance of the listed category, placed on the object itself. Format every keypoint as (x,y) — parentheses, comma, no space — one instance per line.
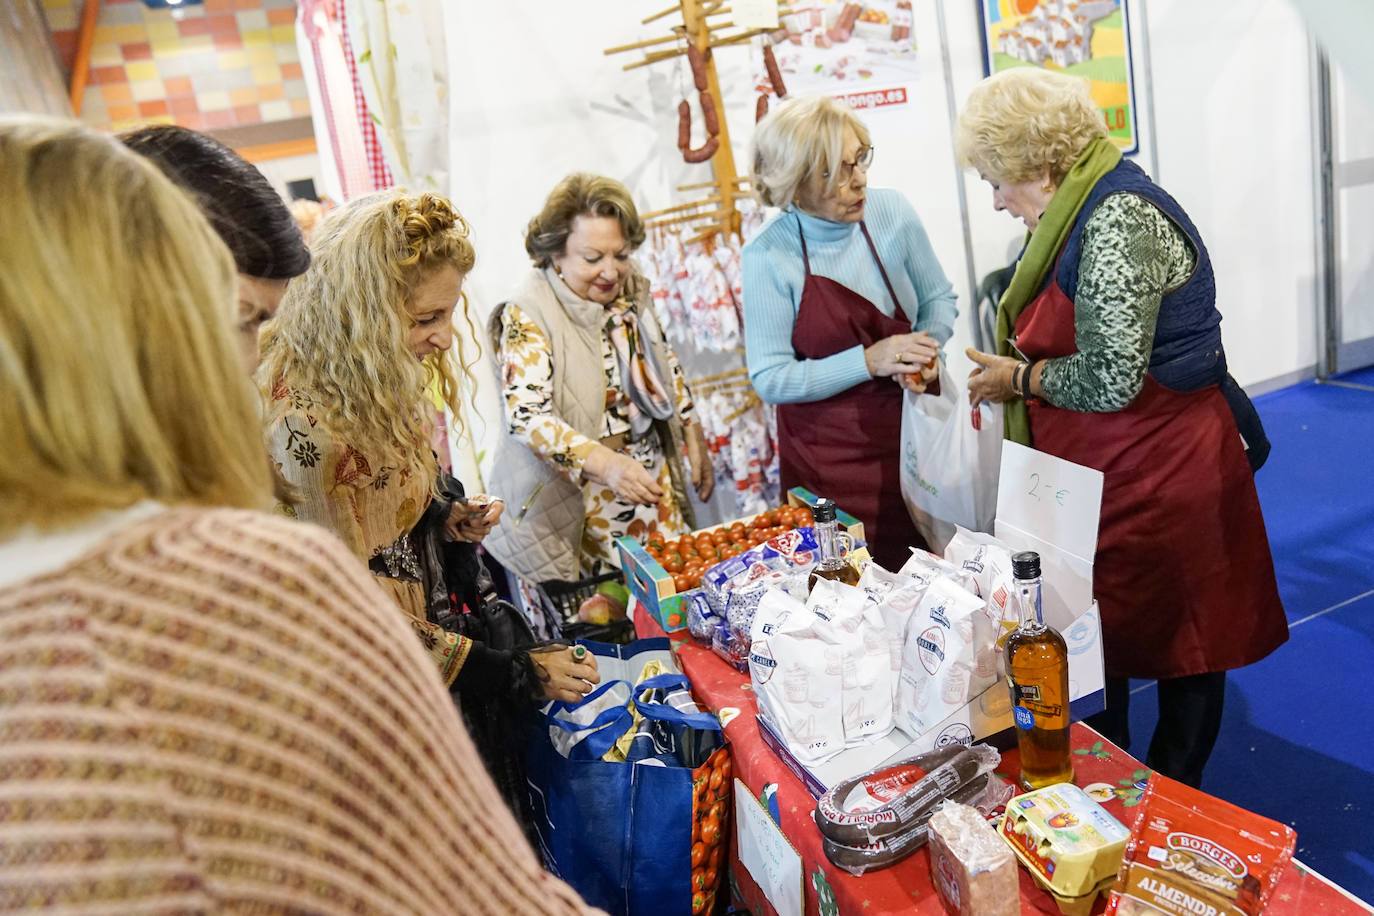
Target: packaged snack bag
(1190,853)
(947,638)
(865,672)
(796,678)
(897,597)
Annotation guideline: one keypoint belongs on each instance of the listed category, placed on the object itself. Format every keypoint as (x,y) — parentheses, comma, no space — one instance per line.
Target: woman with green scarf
(1110,356)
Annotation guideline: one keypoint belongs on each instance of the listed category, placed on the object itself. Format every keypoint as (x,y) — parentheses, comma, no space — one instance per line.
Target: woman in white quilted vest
(597,413)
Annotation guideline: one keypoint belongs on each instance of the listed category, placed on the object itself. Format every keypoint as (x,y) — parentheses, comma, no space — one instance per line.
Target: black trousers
(1189,719)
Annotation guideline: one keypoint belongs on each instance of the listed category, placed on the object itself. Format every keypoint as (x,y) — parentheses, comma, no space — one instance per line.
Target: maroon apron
(1183,573)
(845,447)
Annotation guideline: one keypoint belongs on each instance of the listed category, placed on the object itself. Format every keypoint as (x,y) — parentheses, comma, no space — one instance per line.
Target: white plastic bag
(951,455)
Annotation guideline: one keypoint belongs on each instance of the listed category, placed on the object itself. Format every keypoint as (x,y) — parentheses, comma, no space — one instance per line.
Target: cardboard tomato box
(653,585)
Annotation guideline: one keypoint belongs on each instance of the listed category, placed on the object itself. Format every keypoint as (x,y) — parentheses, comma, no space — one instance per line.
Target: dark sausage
(760,108)
(770,63)
(684,126)
(708,114)
(708,149)
(698,61)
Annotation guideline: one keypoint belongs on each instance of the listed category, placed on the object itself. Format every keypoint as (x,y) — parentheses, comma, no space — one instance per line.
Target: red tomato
(698,902)
(717,855)
(805,517)
(682,582)
(715,780)
(656,543)
(720,536)
(698,853)
(711,876)
(710,830)
(672,563)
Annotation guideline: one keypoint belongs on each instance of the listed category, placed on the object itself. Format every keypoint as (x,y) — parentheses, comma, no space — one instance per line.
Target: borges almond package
(1190,853)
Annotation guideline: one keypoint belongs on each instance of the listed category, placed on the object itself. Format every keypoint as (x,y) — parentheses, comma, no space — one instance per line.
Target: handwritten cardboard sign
(1053,507)
(767,855)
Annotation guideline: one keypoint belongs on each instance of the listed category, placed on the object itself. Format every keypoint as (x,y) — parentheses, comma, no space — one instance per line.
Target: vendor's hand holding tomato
(901,354)
(918,382)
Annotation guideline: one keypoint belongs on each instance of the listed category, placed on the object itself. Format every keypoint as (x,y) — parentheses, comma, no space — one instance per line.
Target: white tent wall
(534,98)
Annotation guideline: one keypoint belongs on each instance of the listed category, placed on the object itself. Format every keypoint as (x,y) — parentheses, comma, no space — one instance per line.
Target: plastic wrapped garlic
(973,871)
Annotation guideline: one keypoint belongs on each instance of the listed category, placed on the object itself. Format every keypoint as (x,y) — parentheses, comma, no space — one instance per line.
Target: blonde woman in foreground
(190,688)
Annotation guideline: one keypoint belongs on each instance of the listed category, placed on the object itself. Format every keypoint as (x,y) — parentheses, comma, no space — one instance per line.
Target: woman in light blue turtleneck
(845,305)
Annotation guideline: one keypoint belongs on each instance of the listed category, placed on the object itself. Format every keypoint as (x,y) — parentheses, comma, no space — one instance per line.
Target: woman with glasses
(844,306)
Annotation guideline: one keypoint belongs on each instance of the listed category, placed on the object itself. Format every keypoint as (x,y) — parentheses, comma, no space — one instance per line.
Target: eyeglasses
(863,160)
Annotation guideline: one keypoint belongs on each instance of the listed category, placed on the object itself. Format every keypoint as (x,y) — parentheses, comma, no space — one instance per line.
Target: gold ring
(899,357)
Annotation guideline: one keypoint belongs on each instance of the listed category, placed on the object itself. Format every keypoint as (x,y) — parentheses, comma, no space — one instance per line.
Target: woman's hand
(626,477)
(561,676)
(471,521)
(901,354)
(918,382)
(991,380)
(699,459)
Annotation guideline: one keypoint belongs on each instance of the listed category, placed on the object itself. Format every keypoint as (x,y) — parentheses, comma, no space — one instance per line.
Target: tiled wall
(225,63)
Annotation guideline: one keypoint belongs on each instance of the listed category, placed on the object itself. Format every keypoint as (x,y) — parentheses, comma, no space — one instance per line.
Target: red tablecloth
(906,887)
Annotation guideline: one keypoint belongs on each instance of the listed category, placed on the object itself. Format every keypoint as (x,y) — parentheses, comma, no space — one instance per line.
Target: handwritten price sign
(1050,498)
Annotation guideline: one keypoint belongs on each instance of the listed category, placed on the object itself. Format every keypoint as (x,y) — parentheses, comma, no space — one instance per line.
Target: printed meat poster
(1087,38)
(861,53)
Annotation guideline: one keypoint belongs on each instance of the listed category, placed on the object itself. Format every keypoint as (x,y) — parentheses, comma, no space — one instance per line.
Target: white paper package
(862,658)
(925,561)
(795,670)
(897,597)
(945,658)
(988,560)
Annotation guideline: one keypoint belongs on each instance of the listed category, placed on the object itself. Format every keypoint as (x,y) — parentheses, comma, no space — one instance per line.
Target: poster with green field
(1086,38)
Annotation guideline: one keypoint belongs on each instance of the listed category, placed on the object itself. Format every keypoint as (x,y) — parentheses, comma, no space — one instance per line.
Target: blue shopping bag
(621,833)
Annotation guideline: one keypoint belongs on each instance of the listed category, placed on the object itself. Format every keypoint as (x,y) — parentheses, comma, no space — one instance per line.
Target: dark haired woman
(597,411)
(246,211)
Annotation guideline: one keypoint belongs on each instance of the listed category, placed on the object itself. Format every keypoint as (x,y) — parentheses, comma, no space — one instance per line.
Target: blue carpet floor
(1297,740)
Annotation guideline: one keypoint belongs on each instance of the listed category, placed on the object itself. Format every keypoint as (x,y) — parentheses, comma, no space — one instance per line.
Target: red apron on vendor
(1111,357)
(845,305)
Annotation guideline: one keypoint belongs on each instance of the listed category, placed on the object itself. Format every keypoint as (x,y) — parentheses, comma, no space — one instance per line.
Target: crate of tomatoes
(660,572)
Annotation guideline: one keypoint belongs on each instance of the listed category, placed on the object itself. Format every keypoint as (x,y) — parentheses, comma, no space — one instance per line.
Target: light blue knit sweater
(774,275)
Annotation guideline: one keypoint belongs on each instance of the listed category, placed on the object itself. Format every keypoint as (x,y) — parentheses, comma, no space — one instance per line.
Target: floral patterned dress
(369,504)
(527,369)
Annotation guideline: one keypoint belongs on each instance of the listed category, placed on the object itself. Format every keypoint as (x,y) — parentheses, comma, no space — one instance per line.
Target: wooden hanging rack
(698,31)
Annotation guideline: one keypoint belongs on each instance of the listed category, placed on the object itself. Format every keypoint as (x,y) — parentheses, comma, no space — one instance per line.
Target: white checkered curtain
(398,47)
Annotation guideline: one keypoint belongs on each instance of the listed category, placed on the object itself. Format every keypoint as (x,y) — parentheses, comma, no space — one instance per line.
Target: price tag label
(755,14)
(1056,500)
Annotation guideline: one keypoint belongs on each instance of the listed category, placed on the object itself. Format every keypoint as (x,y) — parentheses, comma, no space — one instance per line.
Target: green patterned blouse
(1132,256)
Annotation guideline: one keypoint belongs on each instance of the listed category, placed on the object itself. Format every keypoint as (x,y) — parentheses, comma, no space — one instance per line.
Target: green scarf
(1046,241)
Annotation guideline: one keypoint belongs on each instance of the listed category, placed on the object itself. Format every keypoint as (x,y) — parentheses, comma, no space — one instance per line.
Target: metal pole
(1327,296)
(978,341)
(1143,8)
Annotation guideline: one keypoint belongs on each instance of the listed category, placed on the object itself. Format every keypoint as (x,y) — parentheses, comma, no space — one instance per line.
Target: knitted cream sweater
(217,711)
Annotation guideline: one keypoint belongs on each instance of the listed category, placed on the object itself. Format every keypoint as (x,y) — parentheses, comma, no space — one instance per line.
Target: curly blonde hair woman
(191,687)
(347,366)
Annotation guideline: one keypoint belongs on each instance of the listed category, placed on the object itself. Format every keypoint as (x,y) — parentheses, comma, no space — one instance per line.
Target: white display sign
(1062,503)
(755,14)
(767,855)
